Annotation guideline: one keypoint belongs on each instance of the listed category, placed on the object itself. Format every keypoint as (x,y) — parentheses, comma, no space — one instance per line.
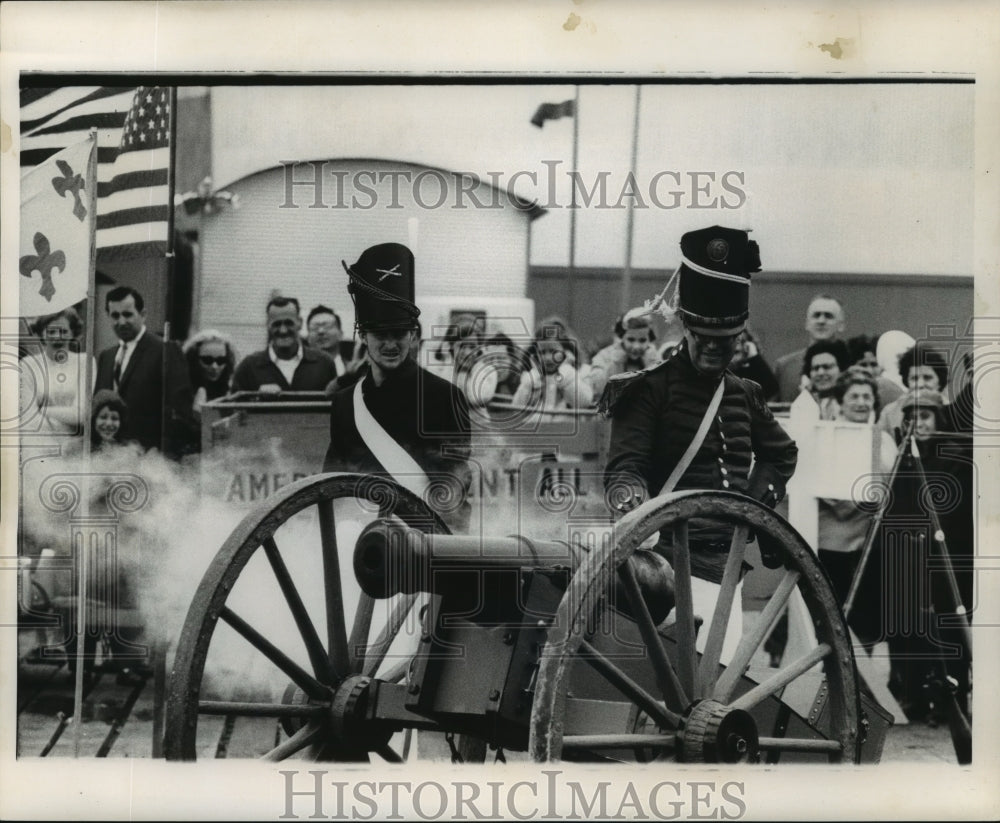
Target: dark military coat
(426,415)
(655,415)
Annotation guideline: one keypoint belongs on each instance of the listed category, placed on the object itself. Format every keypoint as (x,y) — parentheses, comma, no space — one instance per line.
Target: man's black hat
(382,288)
(715,279)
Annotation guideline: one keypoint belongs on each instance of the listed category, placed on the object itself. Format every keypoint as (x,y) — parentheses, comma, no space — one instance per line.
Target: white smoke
(181,519)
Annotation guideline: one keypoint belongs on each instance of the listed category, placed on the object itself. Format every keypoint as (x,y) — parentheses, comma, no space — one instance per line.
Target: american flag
(133,156)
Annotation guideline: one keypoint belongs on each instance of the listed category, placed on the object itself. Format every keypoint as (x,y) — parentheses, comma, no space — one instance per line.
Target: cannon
(551,648)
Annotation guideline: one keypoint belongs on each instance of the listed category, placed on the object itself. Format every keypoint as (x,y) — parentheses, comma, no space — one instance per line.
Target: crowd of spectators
(550,372)
(899,387)
(149,394)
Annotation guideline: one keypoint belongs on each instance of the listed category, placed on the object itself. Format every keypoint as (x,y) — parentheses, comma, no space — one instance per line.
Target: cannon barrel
(391,558)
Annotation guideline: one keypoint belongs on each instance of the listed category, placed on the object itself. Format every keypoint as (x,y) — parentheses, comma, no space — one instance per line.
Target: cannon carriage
(544,634)
(556,649)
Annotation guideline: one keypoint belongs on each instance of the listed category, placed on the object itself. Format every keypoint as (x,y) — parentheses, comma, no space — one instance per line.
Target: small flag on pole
(55,241)
(133,203)
(553,111)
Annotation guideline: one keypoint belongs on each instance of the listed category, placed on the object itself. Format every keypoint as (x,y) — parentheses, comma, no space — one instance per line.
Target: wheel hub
(350,727)
(713,733)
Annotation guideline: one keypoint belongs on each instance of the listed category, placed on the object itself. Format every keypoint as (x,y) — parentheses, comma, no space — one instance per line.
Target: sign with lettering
(252,447)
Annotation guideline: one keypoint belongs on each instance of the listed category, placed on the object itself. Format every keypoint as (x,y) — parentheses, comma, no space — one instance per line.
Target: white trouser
(704,596)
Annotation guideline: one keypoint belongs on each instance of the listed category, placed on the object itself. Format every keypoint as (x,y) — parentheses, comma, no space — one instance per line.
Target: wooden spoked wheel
(674,702)
(314,696)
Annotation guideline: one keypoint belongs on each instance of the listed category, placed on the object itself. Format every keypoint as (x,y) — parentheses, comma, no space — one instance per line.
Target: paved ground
(918,743)
(913,743)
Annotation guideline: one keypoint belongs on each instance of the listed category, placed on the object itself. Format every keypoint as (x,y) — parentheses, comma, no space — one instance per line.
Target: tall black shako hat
(714,290)
(382,288)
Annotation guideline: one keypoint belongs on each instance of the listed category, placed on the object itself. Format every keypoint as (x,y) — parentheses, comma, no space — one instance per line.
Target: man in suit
(399,419)
(824,321)
(286,364)
(149,375)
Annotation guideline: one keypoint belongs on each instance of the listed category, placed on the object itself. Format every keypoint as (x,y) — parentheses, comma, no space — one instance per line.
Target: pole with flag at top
(555,111)
(57,269)
(131,202)
(143,226)
(87,442)
(159,653)
(171,107)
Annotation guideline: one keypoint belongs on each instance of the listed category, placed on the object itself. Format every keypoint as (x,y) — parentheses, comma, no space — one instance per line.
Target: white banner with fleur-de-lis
(56,231)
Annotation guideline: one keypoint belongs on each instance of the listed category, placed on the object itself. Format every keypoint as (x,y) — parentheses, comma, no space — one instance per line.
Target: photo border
(518,39)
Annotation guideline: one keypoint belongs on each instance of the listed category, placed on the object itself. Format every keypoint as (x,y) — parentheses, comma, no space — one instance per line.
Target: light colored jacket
(611,360)
(567,389)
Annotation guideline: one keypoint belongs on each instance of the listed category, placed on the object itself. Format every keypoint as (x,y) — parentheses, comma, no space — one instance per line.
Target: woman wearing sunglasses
(211,361)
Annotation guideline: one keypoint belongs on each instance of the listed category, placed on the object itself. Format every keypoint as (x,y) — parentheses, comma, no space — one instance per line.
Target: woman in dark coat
(929,526)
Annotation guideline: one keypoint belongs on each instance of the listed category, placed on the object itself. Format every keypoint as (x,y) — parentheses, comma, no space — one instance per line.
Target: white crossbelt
(393,457)
(695,444)
(705,595)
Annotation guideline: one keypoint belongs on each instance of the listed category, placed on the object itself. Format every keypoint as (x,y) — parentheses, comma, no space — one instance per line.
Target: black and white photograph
(451,413)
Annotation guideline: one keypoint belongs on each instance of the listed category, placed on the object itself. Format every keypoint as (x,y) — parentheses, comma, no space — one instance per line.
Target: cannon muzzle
(391,558)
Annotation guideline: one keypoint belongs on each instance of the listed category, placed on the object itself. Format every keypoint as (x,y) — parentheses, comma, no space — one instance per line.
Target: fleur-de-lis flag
(57,205)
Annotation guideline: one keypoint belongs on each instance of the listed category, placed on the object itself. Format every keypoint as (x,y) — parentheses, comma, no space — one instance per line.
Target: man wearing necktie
(158,410)
(123,349)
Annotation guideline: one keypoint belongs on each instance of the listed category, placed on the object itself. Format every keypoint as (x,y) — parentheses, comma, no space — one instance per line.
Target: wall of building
(274,243)
(937,307)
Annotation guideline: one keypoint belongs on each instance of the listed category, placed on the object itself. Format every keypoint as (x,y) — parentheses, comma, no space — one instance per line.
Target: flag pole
(91,297)
(171,180)
(159,651)
(630,216)
(171,262)
(88,393)
(572,208)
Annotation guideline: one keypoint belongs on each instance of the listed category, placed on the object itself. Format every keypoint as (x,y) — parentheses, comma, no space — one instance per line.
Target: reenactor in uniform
(399,420)
(657,414)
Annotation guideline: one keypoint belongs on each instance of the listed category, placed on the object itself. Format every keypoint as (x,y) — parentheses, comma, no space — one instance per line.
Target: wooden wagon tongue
(391,558)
